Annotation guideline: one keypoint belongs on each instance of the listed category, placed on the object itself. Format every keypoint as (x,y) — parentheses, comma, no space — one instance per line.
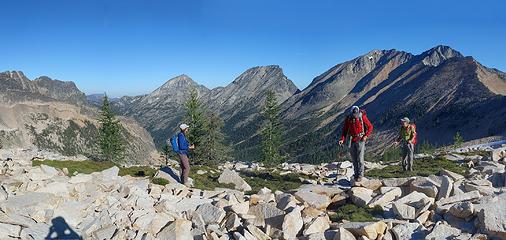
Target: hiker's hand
(192,146)
(341,142)
(364,138)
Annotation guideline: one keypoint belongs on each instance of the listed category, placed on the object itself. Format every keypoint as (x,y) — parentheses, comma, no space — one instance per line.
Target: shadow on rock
(61,230)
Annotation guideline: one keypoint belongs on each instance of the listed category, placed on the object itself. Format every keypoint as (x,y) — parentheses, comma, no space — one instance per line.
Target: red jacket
(353,126)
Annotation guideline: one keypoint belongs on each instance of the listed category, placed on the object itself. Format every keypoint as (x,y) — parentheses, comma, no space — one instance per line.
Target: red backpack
(414,129)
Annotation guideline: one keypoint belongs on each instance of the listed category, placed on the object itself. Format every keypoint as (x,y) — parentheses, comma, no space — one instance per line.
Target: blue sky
(125,47)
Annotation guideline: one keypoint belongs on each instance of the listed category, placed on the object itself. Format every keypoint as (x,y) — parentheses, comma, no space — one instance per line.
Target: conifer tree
(111,141)
(205,132)
(271,132)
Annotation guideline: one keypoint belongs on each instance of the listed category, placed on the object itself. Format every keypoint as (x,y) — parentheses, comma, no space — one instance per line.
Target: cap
(183,126)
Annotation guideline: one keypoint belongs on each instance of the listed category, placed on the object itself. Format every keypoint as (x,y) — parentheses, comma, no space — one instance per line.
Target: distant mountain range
(55,115)
(443,91)
(440,89)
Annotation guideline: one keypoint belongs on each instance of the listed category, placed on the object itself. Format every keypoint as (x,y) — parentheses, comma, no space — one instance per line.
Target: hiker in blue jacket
(184,147)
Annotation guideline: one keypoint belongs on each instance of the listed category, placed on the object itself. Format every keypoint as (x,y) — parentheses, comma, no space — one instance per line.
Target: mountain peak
(438,54)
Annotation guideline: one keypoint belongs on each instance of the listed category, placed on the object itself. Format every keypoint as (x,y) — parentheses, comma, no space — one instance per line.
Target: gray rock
(396,182)
(387,197)
(210,213)
(318,225)
(28,202)
(452,175)
(498,154)
(230,176)
(292,223)
(9,231)
(110,173)
(3,193)
(343,234)
(267,214)
(180,229)
(491,217)
(408,231)
(232,222)
(286,201)
(105,232)
(312,199)
(257,233)
(443,231)
(240,208)
(425,185)
(370,230)
(361,196)
(446,188)
(469,196)
(462,209)
(404,211)
(35,231)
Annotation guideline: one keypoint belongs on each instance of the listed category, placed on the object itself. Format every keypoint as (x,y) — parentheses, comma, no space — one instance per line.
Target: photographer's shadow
(61,230)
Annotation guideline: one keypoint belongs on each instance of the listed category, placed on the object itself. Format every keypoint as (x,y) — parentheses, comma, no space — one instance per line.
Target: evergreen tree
(111,141)
(458,140)
(205,132)
(271,132)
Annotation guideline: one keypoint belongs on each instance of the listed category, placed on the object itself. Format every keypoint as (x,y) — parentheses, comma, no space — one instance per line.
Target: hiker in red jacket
(358,128)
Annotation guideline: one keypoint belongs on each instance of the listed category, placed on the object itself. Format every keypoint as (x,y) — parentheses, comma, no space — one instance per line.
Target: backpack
(414,129)
(175,143)
(360,118)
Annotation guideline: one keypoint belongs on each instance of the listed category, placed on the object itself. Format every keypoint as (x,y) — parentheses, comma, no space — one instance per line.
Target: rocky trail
(38,202)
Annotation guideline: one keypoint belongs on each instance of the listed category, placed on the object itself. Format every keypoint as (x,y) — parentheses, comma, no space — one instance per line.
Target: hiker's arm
(183,144)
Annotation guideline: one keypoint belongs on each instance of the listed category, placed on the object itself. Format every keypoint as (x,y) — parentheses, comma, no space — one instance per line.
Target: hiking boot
(357,182)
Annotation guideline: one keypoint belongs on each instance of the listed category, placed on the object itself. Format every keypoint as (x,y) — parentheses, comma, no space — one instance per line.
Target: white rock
(446,188)
(407,231)
(318,225)
(8,230)
(292,224)
(230,176)
(462,209)
(210,213)
(361,196)
(459,198)
(3,193)
(312,199)
(443,231)
(267,214)
(404,211)
(257,233)
(180,229)
(105,232)
(343,234)
(370,230)
(240,208)
(232,222)
(110,173)
(386,198)
(80,178)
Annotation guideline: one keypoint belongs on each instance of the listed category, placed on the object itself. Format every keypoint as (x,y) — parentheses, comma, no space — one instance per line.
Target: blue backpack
(174,143)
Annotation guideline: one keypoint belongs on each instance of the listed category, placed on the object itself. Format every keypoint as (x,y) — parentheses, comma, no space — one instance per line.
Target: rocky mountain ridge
(54,115)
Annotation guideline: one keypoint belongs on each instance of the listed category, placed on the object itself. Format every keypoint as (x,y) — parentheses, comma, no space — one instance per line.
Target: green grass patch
(88,167)
(422,167)
(76,166)
(159,181)
(351,212)
(274,181)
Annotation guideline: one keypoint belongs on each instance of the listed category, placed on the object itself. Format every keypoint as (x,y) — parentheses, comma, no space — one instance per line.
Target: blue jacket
(183,144)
